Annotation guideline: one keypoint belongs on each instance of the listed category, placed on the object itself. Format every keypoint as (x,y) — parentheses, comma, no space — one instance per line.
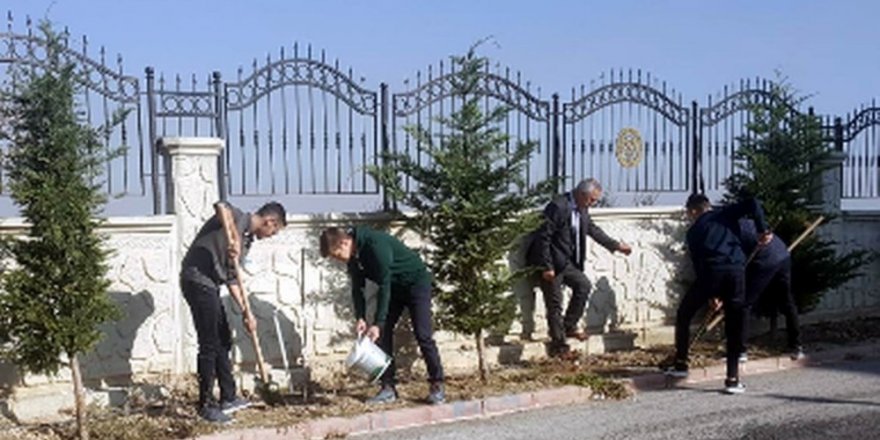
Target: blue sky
(826,48)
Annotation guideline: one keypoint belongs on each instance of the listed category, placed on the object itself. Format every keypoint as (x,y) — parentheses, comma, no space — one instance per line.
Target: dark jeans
(418,302)
(728,284)
(215,341)
(558,325)
(776,282)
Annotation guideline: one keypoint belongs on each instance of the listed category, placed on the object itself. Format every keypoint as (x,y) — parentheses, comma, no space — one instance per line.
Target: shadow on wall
(9,379)
(111,360)
(271,344)
(321,284)
(334,288)
(335,291)
(673,248)
(602,314)
(524,289)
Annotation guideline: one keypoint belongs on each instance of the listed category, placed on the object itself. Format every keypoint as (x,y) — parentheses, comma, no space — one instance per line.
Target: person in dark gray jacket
(558,251)
(768,277)
(207,265)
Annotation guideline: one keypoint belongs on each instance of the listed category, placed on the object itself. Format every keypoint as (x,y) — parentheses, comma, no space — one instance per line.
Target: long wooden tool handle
(804,235)
(703,326)
(226,221)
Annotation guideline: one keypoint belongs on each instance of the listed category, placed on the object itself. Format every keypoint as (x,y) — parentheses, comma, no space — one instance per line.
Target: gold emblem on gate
(629,148)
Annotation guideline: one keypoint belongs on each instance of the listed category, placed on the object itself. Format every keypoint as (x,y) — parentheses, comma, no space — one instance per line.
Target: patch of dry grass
(172,415)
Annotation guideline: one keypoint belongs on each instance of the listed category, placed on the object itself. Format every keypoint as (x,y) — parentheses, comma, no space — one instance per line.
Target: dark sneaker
(213,414)
(733,386)
(743,357)
(437,394)
(678,369)
(557,349)
(797,353)
(386,395)
(567,355)
(232,406)
(577,334)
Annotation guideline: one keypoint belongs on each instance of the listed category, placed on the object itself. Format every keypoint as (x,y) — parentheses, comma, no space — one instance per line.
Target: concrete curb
(379,421)
(332,427)
(659,381)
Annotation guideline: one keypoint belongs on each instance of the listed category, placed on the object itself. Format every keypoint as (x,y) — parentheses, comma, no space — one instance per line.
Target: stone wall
(855,230)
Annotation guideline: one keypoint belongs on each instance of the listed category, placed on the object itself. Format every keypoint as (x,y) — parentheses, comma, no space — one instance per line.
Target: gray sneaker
(385,395)
(437,394)
(743,357)
(212,414)
(678,370)
(237,404)
(797,353)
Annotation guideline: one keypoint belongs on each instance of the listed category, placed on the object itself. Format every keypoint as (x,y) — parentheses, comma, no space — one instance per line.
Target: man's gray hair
(587,186)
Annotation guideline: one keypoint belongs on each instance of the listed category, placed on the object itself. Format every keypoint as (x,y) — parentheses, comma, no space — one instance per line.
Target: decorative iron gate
(299,125)
(629,131)
(431,97)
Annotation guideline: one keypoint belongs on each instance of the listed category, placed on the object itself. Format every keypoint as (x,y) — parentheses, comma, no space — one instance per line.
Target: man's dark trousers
(418,302)
(727,283)
(776,282)
(557,325)
(214,338)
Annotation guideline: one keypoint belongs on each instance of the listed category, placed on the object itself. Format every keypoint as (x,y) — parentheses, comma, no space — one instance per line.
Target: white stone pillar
(193,191)
(829,192)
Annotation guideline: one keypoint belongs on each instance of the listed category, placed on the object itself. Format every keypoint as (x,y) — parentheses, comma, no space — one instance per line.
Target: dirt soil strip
(339,427)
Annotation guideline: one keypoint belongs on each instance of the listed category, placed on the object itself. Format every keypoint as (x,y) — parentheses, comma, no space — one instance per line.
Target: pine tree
(55,296)
(780,162)
(471,204)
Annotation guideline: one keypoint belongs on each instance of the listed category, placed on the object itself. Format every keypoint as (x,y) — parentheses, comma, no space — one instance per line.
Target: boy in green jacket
(403,282)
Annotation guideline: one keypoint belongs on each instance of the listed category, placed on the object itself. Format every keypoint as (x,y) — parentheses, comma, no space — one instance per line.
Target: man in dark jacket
(558,250)
(719,262)
(403,283)
(768,276)
(208,264)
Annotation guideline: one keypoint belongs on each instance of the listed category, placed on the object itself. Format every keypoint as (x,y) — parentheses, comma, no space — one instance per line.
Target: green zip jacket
(386,261)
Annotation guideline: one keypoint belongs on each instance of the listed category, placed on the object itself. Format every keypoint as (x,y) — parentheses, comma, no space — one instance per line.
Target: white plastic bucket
(367,358)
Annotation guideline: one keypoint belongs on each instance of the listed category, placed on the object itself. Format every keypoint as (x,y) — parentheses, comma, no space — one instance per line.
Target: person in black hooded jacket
(719,262)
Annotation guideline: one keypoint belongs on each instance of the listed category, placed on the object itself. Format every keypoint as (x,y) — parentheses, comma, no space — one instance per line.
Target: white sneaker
(743,357)
(797,354)
(734,386)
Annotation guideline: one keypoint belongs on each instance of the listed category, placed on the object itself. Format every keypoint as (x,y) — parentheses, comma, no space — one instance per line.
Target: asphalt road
(840,401)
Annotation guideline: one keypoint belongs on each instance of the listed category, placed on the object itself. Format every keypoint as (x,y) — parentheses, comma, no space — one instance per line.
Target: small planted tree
(471,205)
(55,295)
(780,162)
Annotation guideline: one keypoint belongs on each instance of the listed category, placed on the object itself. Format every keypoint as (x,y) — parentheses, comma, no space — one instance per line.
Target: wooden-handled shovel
(267,389)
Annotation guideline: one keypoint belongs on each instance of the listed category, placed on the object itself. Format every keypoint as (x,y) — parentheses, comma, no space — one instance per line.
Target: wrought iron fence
(857,137)
(107,97)
(431,97)
(298,124)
